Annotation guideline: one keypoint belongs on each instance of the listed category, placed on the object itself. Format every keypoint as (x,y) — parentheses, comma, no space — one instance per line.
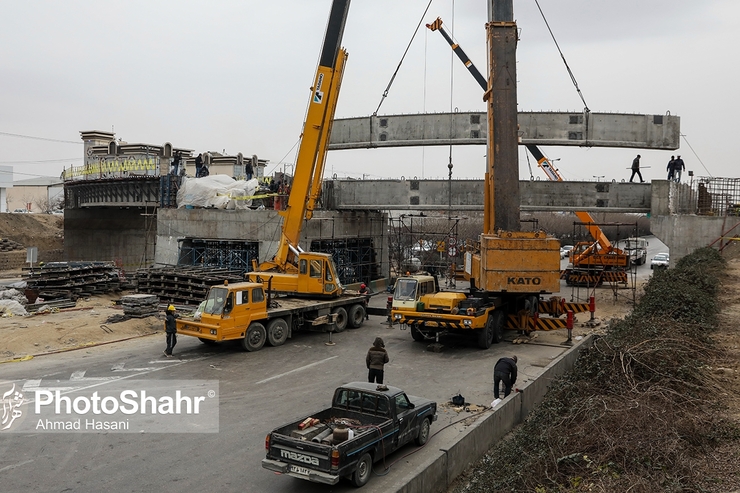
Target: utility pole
(502,170)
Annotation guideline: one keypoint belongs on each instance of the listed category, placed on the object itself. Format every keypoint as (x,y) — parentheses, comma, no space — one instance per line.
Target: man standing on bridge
(504,371)
(678,167)
(636,169)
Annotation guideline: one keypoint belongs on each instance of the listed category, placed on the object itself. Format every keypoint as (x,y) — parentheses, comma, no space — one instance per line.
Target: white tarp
(12,307)
(216,191)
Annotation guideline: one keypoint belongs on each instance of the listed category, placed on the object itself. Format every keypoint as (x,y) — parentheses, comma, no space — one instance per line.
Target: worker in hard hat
(170,328)
(364,290)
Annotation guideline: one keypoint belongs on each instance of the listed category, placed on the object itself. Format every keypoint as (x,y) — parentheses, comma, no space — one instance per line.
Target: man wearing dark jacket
(636,169)
(678,167)
(504,371)
(376,358)
(170,328)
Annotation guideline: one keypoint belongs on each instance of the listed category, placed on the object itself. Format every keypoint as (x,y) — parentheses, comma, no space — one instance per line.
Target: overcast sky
(235,75)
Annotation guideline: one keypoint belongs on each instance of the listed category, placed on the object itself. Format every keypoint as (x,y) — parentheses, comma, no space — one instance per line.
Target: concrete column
(503,165)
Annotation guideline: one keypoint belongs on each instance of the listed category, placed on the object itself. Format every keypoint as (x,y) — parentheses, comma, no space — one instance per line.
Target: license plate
(300,470)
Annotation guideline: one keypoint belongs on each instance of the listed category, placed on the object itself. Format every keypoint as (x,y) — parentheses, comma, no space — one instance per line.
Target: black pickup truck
(365,423)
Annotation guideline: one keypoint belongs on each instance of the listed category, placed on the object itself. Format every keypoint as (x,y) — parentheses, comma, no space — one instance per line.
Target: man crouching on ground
(504,371)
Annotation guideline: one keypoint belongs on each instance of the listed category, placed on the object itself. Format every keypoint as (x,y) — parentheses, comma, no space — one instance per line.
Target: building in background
(43,194)
(6,182)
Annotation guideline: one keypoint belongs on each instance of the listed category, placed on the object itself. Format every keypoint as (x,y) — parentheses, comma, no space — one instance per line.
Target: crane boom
(292,270)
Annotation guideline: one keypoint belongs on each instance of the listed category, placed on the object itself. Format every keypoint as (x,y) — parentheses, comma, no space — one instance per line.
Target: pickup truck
(365,423)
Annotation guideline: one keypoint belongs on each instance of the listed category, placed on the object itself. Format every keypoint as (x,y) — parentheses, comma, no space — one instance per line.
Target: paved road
(258,391)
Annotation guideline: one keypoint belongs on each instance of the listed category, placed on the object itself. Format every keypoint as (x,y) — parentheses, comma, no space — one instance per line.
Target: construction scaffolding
(231,254)
(616,279)
(433,244)
(358,258)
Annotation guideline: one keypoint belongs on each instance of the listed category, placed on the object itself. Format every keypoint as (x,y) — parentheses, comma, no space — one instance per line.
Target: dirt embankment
(44,231)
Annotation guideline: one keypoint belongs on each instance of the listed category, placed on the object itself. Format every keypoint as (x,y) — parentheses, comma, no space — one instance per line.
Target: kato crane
(591,262)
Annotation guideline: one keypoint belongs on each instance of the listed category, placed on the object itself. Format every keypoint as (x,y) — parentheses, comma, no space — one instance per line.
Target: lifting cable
(385,93)
(572,77)
(452,81)
(697,156)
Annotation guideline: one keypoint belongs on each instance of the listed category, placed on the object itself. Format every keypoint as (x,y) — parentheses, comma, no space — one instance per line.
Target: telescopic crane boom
(292,270)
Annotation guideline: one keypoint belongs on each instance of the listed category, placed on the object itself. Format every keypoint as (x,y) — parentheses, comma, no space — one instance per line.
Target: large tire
(277,332)
(207,342)
(341,319)
(417,335)
(423,436)
(255,337)
(485,335)
(498,326)
(362,474)
(356,316)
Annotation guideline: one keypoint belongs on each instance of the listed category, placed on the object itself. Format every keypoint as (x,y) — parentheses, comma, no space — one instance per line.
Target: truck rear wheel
(362,474)
(498,326)
(277,332)
(356,316)
(341,319)
(255,337)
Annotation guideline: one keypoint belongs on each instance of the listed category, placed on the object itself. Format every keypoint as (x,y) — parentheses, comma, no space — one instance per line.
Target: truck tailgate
(302,459)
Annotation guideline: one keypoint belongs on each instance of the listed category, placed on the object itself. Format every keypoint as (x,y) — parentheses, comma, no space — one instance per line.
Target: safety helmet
(362,286)
(171,308)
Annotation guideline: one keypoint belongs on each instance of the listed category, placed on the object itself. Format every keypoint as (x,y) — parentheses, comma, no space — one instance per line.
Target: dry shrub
(639,411)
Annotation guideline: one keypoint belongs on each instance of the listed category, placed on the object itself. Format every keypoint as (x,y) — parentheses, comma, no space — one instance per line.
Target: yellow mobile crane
(508,271)
(592,262)
(309,294)
(292,270)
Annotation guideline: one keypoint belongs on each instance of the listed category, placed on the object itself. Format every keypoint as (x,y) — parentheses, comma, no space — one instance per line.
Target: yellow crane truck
(592,262)
(296,289)
(248,312)
(509,272)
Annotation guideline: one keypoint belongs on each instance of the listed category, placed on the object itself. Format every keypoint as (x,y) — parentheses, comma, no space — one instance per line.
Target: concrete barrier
(438,472)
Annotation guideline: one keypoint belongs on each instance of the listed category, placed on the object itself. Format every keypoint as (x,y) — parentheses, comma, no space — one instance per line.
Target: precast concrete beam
(467,195)
(540,128)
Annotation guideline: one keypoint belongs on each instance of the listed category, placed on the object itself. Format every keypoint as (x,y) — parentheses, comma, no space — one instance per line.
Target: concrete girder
(540,128)
(467,195)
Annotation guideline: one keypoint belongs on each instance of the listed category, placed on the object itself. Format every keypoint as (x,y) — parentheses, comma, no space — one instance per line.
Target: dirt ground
(71,328)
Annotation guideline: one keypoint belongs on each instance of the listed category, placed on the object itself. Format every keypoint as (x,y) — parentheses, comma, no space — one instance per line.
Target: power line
(43,161)
(40,138)
(12,173)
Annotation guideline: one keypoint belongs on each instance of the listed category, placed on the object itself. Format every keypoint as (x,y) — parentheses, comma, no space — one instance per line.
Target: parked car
(660,260)
(565,251)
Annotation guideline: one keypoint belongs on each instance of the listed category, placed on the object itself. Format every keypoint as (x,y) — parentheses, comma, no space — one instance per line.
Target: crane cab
(315,275)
